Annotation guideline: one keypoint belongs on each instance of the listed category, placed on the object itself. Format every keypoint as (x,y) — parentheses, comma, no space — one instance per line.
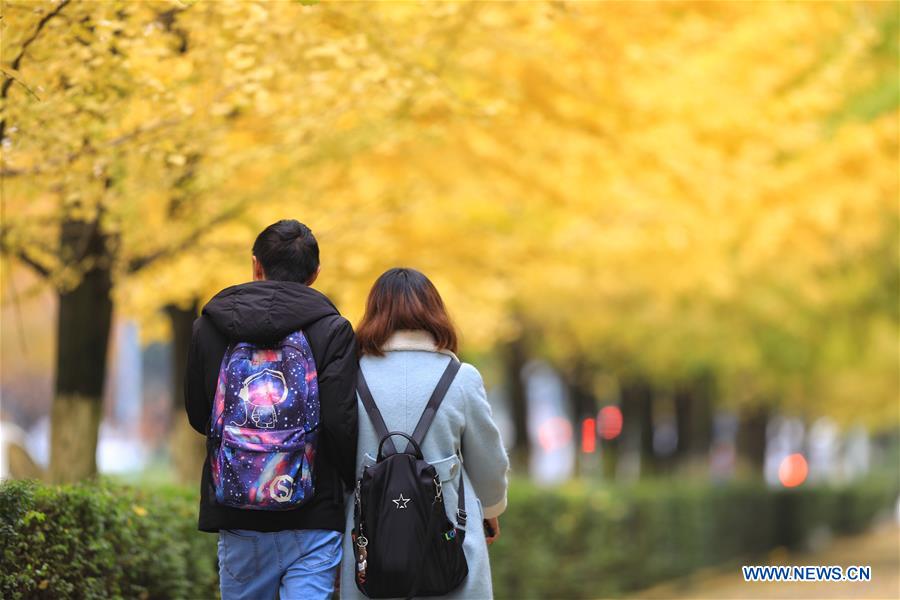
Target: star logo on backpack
(400,500)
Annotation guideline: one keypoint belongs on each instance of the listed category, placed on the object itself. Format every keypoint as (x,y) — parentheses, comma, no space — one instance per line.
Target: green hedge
(112,541)
(583,541)
(103,541)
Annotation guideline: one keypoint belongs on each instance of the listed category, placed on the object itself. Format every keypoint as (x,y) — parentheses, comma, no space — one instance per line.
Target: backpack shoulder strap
(461,505)
(362,388)
(217,416)
(437,396)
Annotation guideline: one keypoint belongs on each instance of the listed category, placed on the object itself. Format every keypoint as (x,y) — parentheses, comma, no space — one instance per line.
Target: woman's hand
(491,530)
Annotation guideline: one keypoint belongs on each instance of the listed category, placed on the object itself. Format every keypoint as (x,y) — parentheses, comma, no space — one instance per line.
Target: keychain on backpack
(360,542)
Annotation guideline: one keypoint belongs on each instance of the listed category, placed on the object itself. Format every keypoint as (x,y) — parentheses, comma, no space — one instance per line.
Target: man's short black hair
(287,251)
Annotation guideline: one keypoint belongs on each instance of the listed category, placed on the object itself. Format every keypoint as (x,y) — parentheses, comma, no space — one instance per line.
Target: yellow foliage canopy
(662,189)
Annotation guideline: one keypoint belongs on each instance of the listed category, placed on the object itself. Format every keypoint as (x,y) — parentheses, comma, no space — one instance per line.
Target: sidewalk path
(879,548)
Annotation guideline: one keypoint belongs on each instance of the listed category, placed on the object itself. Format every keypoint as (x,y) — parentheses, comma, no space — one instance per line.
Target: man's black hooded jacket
(264,312)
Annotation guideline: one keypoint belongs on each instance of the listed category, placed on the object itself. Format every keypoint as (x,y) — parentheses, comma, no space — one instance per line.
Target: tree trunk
(514,357)
(693,420)
(637,422)
(584,405)
(609,456)
(684,415)
(751,438)
(21,465)
(648,456)
(85,314)
(187,447)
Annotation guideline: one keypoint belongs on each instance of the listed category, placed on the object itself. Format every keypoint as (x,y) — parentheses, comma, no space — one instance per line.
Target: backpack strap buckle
(461,517)
(438,488)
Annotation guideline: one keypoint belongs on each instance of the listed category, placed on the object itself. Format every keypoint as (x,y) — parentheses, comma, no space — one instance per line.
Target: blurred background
(668,234)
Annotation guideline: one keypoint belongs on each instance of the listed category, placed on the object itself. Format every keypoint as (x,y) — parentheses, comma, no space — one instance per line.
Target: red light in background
(554,433)
(609,422)
(588,435)
(793,470)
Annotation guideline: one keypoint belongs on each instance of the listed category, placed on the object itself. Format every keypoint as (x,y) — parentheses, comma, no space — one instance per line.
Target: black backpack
(404,544)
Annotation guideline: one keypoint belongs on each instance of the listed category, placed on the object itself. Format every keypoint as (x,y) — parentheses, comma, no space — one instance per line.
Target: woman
(406,339)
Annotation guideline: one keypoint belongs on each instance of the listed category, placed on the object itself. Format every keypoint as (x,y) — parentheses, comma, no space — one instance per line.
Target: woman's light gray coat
(401,382)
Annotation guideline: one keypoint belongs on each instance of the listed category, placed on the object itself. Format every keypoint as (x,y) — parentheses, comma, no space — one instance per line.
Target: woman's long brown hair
(404,299)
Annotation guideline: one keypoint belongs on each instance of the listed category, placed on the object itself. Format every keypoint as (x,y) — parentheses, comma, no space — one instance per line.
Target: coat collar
(413,339)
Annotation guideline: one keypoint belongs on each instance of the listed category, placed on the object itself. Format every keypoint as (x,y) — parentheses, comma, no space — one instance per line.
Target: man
(294,552)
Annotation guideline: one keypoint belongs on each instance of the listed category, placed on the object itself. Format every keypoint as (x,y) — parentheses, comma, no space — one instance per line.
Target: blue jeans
(297,564)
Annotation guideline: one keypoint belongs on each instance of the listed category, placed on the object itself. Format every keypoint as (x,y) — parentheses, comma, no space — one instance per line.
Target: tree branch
(35,266)
(88,150)
(12,77)
(37,31)
(17,61)
(20,253)
(141,262)
(23,256)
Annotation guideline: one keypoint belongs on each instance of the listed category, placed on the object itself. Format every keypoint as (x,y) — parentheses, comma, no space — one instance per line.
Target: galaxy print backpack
(264,425)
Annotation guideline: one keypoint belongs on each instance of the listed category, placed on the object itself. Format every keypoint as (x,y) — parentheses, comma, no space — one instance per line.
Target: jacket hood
(266,311)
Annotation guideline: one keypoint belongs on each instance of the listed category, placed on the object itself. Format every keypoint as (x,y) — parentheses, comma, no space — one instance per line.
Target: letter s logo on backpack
(281,488)
(264,426)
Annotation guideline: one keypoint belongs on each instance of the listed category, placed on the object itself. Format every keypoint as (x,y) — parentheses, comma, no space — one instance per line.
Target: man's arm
(337,399)
(196,402)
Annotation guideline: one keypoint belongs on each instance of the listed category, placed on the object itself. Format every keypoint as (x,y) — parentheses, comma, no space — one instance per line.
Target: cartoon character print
(263,391)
